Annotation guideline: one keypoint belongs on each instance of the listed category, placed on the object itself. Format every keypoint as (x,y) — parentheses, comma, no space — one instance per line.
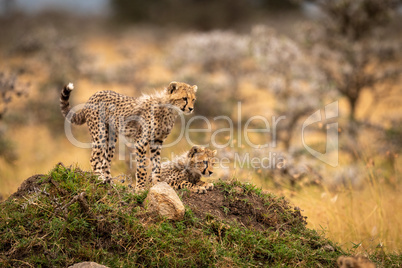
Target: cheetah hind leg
(108,155)
(97,162)
(99,133)
(100,163)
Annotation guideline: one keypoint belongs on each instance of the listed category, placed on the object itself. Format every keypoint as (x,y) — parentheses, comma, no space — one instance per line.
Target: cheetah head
(201,160)
(182,96)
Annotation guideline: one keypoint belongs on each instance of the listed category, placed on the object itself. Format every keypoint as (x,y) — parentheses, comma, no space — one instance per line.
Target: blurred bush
(286,71)
(214,50)
(58,52)
(10,88)
(53,57)
(201,14)
(353,49)
(216,62)
(7,148)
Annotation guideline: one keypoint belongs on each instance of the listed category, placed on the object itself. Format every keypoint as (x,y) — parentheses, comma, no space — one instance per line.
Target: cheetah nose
(210,172)
(190,109)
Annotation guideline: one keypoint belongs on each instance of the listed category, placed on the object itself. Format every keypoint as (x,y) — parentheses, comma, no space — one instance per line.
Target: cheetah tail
(76,118)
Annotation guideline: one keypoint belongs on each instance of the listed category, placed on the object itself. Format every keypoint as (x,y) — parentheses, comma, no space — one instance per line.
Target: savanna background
(271,58)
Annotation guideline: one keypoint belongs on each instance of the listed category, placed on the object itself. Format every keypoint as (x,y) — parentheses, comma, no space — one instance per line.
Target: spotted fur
(185,171)
(146,121)
(354,262)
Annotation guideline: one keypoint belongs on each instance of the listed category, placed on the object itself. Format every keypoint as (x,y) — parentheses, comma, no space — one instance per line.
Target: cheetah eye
(193,100)
(205,162)
(185,99)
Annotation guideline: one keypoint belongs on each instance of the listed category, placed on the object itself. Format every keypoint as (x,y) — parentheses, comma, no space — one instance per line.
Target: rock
(164,201)
(328,248)
(87,264)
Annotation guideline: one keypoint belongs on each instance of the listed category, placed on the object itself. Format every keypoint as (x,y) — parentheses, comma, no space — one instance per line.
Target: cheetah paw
(139,190)
(209,186)
(200,190)
(105,179)
(102,178)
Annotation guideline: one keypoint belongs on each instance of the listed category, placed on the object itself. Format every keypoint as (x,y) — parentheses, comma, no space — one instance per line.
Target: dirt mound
(232,202)
(67,216)
(30,185)
(244,207)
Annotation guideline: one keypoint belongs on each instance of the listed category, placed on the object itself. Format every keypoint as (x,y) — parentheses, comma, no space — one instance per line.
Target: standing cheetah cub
(146,120)
(186,170)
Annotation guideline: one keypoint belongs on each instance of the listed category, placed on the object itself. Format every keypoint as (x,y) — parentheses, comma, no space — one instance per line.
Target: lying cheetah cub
(186,170)
(146,120)
(354,262)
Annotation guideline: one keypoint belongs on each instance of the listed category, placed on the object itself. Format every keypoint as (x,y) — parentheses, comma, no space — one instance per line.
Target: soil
(247,209)
(29,186)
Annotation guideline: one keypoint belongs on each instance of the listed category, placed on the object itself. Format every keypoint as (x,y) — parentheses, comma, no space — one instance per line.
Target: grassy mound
(66,217)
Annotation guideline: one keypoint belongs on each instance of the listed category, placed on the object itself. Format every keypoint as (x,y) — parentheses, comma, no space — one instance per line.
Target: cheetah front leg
(207,185)
(141,174)
(109,153)
(155,149)
(192,187)
(99,149)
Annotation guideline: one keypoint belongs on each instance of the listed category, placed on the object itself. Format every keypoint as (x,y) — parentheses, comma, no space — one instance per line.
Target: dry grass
(366,219)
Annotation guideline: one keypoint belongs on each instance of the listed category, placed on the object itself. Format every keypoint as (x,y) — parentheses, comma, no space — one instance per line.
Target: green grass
(110,226)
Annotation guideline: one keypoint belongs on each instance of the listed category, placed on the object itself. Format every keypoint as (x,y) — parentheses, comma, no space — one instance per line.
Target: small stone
(238,190)
(87,264)
(164,201)
(328,248)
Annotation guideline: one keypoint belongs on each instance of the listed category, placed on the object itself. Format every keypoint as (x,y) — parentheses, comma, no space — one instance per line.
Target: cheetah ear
(172,87)
(195,88)
(194,150)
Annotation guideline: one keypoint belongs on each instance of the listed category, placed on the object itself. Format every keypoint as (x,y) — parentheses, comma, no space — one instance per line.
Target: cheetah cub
(186,170)
(146,121)
(354,262)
